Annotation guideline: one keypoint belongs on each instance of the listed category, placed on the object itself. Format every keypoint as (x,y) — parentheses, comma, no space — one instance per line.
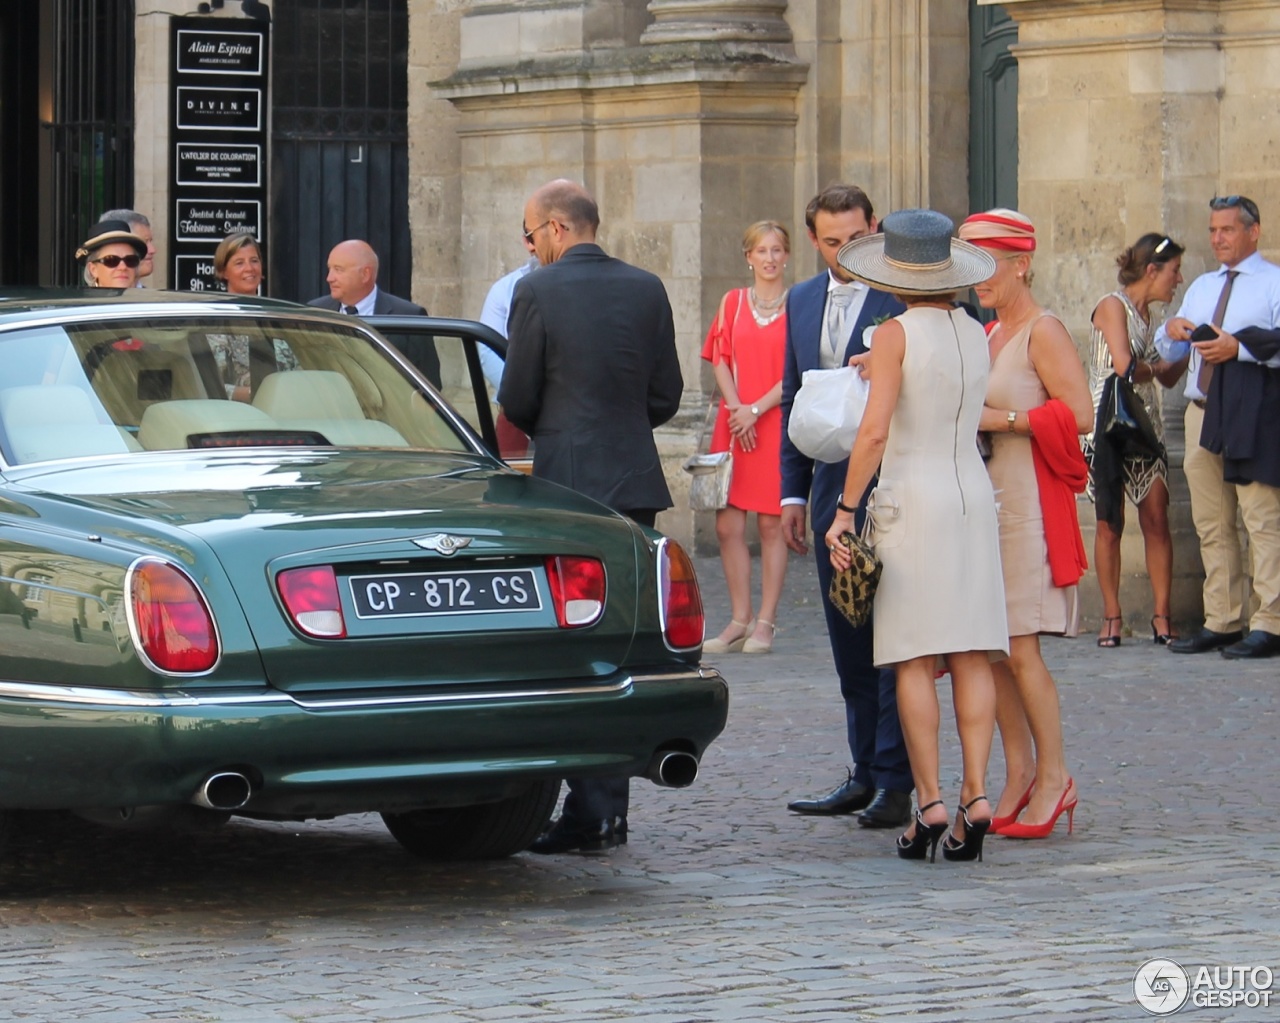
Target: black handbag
(1123,419)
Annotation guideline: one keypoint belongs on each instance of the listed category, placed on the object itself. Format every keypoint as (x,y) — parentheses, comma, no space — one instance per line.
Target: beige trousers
(1214,503)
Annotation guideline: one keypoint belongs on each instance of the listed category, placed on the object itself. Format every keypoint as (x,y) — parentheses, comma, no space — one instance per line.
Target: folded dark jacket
(1262,344)
(1241,413)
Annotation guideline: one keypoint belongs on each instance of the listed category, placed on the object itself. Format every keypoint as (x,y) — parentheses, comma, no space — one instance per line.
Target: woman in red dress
(745,348)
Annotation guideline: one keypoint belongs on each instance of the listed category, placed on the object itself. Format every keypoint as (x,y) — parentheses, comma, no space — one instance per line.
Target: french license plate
(408,595)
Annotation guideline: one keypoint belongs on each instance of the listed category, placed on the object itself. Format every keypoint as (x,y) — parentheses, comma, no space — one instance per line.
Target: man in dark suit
(826,318)
(591,370)
(353,289)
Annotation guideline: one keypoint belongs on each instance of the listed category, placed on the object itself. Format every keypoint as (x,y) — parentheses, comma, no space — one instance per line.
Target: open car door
(463,360)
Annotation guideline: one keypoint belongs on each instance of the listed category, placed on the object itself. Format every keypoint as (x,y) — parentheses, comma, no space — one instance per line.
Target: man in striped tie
(1230,462)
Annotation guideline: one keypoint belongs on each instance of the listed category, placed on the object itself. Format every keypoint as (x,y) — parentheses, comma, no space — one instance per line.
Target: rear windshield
(102,388)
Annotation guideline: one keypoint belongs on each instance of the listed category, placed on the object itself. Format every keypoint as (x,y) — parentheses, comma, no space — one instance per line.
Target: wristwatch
(1013,418)
(755,411)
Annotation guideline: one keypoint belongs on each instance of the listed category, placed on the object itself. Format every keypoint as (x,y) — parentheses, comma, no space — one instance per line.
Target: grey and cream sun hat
(916,255)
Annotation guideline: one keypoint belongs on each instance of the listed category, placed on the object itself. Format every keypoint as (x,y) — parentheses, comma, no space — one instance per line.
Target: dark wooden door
(339,142)
(993,108)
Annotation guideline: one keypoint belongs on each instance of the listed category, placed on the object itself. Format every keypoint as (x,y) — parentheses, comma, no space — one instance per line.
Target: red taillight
(310,596)
(577,590)
(682,619)
(174,626)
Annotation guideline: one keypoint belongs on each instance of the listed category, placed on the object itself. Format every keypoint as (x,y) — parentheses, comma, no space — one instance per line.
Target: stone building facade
(689,119)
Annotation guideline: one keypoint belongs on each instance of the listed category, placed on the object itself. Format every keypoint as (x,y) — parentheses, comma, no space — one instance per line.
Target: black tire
(488,831)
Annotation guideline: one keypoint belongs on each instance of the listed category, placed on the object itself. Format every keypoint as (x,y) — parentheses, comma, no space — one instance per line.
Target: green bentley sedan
(253,562)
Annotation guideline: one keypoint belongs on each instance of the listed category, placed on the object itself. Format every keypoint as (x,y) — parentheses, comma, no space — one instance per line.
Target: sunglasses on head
(113,261)
(1225,202)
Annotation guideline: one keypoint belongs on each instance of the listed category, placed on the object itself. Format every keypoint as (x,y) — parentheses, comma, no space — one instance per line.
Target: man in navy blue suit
(826,317)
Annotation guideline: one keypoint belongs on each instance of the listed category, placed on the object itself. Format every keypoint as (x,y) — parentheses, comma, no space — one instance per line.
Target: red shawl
(1061,473)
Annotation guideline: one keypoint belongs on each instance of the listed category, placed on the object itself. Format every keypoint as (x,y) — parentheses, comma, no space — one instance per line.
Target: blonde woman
(745,347)
(1036,378)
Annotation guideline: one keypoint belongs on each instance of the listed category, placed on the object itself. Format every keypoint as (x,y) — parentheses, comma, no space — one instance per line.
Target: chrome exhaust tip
(223,790)
(673,769)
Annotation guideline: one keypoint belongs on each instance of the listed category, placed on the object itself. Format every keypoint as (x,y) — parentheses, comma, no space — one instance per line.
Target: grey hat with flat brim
(916,255)
(108,232)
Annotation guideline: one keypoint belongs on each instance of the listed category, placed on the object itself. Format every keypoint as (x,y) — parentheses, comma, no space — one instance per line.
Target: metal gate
(993,108)
(340,142)
(91,134)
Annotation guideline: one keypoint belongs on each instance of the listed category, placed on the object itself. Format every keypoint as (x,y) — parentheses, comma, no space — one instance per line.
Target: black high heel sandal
(925,840)
(971,847)
(1161,638)
(1111,639)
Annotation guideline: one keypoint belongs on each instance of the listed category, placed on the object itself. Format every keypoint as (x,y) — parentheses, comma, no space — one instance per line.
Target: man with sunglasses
(592,369)
(1231,461)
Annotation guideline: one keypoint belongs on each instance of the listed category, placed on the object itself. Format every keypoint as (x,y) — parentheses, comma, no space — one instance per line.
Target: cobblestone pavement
(723,906)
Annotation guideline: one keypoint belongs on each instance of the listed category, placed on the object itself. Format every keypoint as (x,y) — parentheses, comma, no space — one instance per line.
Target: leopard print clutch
(853,591)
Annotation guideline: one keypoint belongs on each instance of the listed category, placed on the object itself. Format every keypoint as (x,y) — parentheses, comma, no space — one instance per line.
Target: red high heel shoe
(1019,830)
(1003,822)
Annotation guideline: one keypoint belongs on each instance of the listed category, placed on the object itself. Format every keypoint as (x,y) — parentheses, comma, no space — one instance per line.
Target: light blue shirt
(496,311)
(1254,302)
(365,306)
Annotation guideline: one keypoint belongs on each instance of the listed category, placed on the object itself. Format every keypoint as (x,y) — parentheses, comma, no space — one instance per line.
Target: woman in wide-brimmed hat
(933,513)
(1037,388)
(111,255)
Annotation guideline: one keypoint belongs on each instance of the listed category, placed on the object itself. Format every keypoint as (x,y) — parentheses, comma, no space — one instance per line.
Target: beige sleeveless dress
(1034,603)
(933,511)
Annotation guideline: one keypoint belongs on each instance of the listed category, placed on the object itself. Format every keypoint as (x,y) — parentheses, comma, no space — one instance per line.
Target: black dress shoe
(619,831)
(588,836)
(889,809)
(1202,641)
(847,797)
(1256,644)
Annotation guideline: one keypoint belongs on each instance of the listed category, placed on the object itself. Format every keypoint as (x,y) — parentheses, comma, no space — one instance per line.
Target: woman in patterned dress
(745,347)
(1123,335)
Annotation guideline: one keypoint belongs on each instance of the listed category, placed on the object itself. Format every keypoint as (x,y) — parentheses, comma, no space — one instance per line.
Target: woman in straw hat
(1037,387)
(941,594)
(111,255)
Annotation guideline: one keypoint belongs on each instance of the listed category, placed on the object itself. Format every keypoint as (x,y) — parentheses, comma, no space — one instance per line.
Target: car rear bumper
(317,755)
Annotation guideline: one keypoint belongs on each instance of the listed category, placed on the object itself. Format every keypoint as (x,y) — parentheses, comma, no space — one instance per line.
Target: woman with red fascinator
(1038,403)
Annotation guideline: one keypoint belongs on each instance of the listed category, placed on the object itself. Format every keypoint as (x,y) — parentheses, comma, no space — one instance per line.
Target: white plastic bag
(826,412)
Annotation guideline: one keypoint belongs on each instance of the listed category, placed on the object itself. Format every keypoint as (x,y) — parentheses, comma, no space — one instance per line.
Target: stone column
(1131,115)
(718,21)
(682,133)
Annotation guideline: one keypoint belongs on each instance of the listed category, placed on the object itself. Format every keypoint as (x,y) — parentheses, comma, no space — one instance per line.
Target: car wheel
(488,831)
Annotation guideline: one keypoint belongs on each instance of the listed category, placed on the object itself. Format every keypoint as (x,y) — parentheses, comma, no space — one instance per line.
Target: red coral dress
(758,352)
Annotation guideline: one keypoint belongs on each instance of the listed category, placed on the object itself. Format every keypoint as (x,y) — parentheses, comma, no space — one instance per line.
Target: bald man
(591,370)
(353,289)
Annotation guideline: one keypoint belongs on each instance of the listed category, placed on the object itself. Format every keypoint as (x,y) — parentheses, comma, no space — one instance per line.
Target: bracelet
(1012,418)
(841,506)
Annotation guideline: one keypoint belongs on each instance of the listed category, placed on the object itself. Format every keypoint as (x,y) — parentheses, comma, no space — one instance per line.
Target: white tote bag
(826,412)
